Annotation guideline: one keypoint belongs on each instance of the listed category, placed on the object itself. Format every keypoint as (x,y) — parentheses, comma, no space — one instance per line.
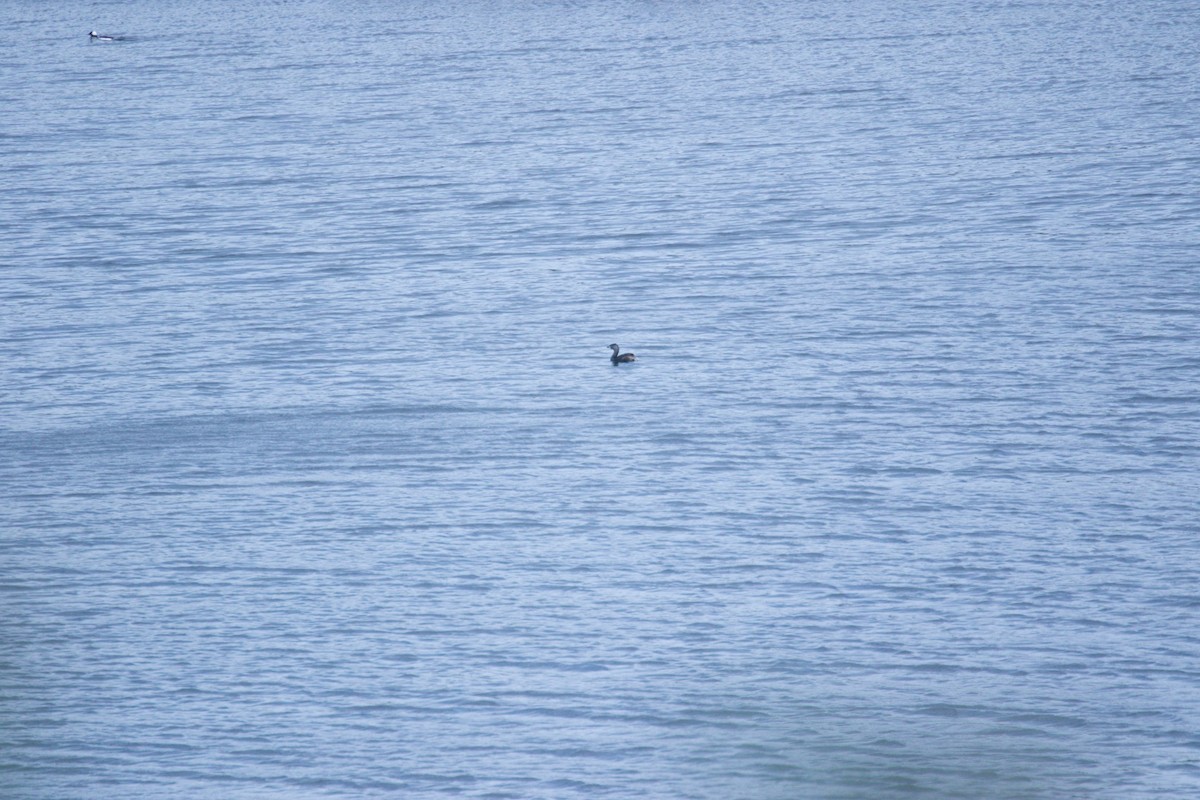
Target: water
(317,481)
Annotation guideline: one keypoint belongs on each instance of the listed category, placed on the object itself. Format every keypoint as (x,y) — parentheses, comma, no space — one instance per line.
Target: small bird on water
(618,357)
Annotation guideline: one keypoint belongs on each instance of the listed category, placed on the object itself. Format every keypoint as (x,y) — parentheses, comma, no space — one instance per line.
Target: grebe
(618,357)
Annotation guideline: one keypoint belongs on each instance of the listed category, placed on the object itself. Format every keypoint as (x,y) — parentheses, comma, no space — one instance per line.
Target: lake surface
(316,480)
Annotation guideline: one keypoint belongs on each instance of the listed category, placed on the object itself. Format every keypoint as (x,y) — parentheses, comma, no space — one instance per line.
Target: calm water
(316,481)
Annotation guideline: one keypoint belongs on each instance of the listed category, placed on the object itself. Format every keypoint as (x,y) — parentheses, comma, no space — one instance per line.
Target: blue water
(316,480)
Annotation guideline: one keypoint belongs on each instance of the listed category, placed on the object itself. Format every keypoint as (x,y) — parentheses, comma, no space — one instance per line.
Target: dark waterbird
(618,357)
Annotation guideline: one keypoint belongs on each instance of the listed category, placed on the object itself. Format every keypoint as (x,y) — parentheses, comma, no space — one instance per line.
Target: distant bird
(101,37)
(618,357)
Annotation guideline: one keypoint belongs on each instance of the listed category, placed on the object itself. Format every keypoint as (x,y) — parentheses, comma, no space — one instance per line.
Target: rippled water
(317,480)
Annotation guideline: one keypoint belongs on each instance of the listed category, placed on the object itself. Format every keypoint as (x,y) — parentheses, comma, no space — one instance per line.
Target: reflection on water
(318,480)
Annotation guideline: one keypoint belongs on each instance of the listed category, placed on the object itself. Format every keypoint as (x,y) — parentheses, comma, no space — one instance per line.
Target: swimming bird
(618,357)
(103,37)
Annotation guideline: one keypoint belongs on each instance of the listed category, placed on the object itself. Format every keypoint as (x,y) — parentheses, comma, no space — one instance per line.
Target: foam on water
(317,480)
